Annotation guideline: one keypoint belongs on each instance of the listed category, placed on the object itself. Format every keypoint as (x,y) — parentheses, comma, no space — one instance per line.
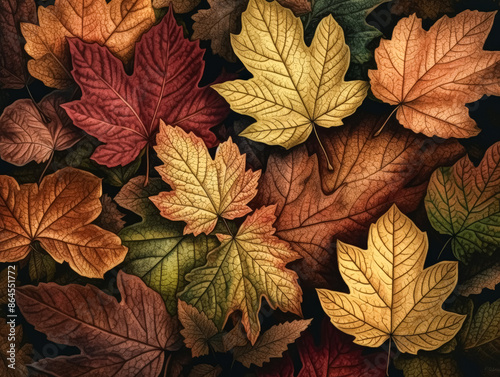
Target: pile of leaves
(250,187)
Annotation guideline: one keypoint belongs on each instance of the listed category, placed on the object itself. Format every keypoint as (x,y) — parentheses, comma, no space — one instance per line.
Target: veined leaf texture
(270,188)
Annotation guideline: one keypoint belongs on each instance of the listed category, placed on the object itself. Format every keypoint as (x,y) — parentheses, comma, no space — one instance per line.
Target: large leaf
(159,253)
(464,202)
(57,213)
(120,339)
(315,206)
(294,87)
(203,189)
(431,75)
(391,295)
(243,269)
(123,112)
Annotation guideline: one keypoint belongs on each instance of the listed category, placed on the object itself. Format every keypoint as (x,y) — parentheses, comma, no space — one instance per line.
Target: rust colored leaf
(110,218)
(124,111)
(58,214)
(13,70)
(25,136)
(120,339)
(431,75)
(316,206)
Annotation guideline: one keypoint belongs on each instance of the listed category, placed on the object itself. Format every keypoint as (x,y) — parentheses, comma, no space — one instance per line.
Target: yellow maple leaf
(391,295)
(116,25)
(295,87)
(203,188)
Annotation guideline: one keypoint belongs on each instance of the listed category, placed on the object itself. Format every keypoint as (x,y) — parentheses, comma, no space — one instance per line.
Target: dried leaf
(123,339)
(464,202)
(391,295)
(25,136)
(110,218)
(41,266)
(125,114)
(203,189)
(487,277)
(58,214)
(431,75)
(117,25)
(294,87)
(180,6)
(205,370)
(243,269)
(423,8)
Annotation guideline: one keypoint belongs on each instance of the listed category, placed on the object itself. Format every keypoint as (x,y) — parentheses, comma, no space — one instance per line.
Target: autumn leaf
(123,113)
(159,253)
(224,18)
(428,366)
(464,202)
(203,189)
(316,206)
(25,136)
(117,25)
(205,370)
(110,218)
(57,213)
(294,87)
(180,6)
(21,355)
(41,265)
(423,8)
(13,71)
(243,269)
(122,339)
(350,14)
(486,275)
(272,343)
(431,75)
(391,295)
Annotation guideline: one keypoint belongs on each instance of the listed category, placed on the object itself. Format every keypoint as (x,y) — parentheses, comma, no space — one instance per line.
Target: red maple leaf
(124,111)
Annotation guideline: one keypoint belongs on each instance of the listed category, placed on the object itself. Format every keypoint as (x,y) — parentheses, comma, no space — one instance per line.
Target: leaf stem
(388,357)
(444,247)
(146,181)
(227,227)
(46,167)
(330,166)
(389,117)
(166,365)
(45,118)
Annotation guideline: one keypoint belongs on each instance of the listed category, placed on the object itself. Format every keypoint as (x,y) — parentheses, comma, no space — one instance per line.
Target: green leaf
(159,253)
(42,266)
(428,365)
(464,202)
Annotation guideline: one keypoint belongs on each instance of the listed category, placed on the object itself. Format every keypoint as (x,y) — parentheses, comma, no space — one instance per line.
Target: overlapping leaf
(13,70)
(423,8)
(315,206)
(390,293)
(431,75)
(464,202)
(57,213)
(243,269)
(25,136)
(294,87)
(124,111)
(203,189)
(159,253)
(117,25)
(123,339)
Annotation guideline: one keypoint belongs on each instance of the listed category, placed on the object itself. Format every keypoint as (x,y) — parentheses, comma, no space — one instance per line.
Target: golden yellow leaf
(202,188)
(391,295)
(116,25)
(294,87)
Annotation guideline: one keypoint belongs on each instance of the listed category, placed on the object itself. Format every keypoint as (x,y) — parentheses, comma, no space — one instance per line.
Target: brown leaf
(110,218)
(205,370)
(58,214)
(21,354)
(13,70)
(198,329)
(423,8)
(369,174)
(120,339)
(25,136)
(180,6)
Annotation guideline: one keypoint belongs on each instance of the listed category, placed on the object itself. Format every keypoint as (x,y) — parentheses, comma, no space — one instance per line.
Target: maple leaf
(159,253)
(336,356)
(224,18)
(464,202)
(180,6)
(315,206)
(350,14)
(13,70)
(123,113)
(243,269)
(294,87)
(122,339)
(431,75)
(423,8)
(110,218)
(25,136)
(58,214)
(202,188)
(391,295)
(116,25)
